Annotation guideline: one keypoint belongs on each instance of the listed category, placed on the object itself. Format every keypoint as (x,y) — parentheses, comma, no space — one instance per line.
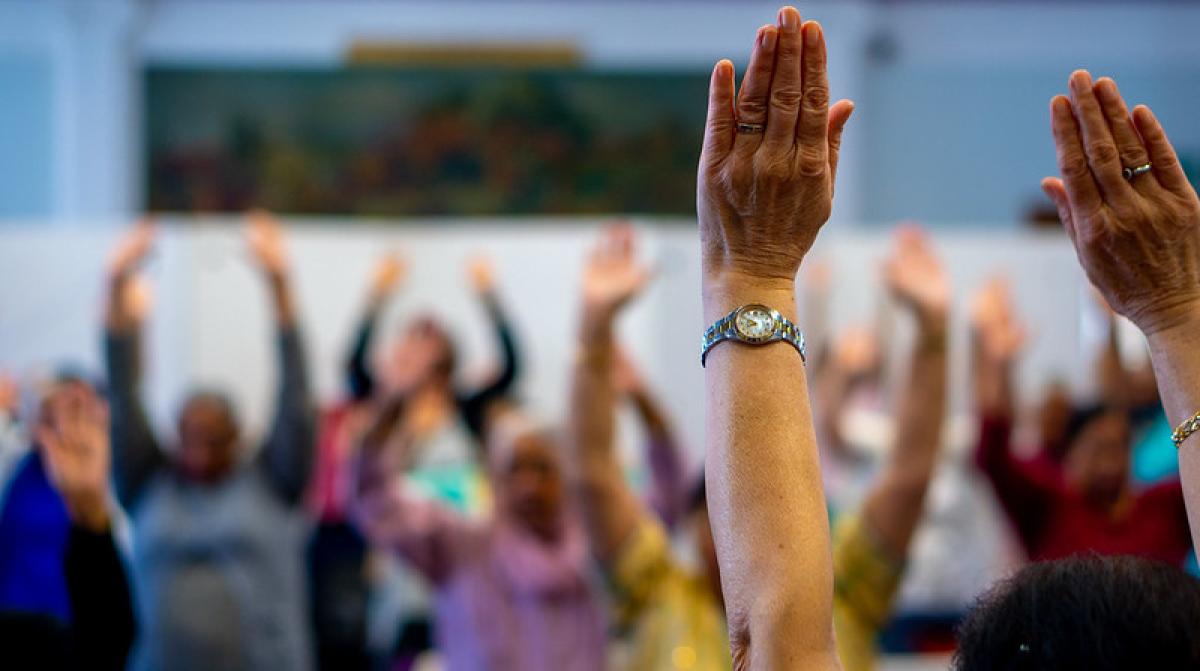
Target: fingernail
(789,19)
(812,33)
(1080,80)
(769,37)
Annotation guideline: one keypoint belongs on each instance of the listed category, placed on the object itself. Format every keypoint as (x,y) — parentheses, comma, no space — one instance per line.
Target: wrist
(597,325)
(1180,317)
(89,511)
(1181,328)
(933,325)
(728,291)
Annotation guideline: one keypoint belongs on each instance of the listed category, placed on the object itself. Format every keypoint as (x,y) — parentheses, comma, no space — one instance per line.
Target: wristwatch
(753,324)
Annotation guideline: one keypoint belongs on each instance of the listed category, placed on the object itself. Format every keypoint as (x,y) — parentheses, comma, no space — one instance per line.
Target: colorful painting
(395,142)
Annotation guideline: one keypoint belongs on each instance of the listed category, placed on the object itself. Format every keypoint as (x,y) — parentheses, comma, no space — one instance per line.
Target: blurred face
(1054,416)
(529,487)
(1097,462)
(207,440)
(421,353)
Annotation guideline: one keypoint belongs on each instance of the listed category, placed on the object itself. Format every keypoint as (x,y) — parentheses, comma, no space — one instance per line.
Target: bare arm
(670,482)
(1138,239)
(610,510)
(895,503)
(762,196)
(996,339)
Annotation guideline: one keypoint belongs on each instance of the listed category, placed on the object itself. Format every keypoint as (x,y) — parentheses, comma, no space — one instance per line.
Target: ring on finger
(1130,173)
(751,128)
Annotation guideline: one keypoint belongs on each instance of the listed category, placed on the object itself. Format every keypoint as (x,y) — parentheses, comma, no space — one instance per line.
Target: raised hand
(10,394)
(73,435)
(916,278)
(856,354)
(767,169)
(389,273)
(132,249)
(267,243)
(1137,235)
(482,274)
(999,333)
(612,274)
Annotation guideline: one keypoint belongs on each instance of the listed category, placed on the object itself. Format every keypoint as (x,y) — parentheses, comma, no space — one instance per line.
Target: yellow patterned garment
(672,614)
(865,580)
(676,622)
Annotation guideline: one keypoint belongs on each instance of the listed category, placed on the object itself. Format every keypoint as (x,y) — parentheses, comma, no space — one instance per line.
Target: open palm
(612,274)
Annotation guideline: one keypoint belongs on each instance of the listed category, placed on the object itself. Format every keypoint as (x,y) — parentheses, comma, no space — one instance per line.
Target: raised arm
(996,339)
(612,276)
(474,406)
(136,455)
(77,454)
(765,188)
(1136,231)
(669,478)
(389,273)
(288,453)
(895,503)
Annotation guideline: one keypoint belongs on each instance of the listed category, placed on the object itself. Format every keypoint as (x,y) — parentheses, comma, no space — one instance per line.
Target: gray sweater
(218,569)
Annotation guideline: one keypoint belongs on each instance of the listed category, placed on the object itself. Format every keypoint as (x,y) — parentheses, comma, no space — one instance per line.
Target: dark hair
(215,397)
(1085,612)
(1083,417)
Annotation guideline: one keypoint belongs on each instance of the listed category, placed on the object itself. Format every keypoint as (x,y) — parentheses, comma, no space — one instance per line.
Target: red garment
(329,493)
(1053,521)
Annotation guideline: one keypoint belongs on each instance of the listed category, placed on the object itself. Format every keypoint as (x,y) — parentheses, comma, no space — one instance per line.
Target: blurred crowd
(415,521)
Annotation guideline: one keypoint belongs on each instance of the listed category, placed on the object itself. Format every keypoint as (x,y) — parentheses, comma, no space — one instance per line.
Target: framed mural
(429,141)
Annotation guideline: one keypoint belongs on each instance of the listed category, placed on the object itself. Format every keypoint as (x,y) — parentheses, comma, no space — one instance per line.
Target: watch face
(754,323)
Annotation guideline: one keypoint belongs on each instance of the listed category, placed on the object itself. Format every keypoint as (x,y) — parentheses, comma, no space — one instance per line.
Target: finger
(718,129)
(756,85)
(1082,192)
(1167,168)
(812,128)
(1054,189)
(1129,145)
(839,114)
(1098,143)
(50,443)
(784,107)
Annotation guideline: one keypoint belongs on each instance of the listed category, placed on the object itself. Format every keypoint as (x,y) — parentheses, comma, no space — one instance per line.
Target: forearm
(1176,358)
(991,384)
(118,318)
(1110,371)
(289,451)
(135,451)
(894,506)
(608,507)
(832,392)
(104,626)
(279,285)
(507,347)
(765,496)
(668,470)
